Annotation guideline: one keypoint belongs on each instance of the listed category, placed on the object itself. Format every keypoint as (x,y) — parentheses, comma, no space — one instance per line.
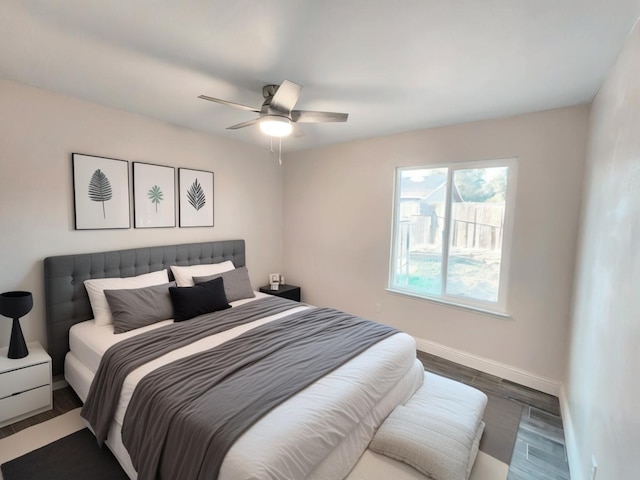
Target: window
(452,229)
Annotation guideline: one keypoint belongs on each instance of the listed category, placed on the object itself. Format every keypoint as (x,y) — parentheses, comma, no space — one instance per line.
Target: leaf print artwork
(155,195)
(195,195)
(100,189)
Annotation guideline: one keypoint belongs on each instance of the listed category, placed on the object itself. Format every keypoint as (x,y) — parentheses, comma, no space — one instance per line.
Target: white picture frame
(154,196)
(196,197)
(100,192)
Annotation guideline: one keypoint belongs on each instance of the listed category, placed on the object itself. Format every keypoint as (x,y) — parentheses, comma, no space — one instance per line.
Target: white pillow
(184,275)
(96,287)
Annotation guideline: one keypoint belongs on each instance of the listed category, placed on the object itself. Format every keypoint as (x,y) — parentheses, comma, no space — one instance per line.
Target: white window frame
(498,308)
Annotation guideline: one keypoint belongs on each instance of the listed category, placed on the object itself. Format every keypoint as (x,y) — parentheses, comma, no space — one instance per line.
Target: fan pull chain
(271,152)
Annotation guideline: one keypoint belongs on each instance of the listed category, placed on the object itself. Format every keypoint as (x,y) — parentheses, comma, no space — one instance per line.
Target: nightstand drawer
(31,400)
(16,381)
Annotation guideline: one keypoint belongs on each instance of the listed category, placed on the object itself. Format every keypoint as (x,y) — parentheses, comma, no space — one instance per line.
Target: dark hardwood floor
(539,452)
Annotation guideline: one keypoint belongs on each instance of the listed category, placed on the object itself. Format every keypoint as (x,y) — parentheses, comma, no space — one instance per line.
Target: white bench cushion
(437,431)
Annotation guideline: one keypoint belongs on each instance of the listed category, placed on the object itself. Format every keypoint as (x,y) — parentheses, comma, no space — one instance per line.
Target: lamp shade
(15,305)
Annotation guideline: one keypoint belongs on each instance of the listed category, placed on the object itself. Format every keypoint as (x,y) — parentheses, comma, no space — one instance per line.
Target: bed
(318,432)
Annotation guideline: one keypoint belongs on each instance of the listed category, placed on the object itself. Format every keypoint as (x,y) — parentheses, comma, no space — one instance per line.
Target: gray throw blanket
(124,357)
(185,416)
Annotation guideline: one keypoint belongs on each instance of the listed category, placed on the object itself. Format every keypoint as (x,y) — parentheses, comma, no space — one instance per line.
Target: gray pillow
(236,283)
(139,307)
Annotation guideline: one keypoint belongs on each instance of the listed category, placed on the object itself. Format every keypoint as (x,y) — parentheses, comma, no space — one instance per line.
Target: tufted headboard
(67,302)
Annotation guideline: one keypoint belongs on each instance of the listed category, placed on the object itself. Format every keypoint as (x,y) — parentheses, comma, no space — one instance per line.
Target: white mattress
(324,442)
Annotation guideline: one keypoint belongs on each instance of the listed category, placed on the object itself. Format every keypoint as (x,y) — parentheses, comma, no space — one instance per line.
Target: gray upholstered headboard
(67,302)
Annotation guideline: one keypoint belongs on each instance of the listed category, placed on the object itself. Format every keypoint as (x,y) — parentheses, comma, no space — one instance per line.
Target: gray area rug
(502,418)
(78,456)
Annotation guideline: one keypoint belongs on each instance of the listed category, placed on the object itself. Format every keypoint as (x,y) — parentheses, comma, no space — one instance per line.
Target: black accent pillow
(189,302)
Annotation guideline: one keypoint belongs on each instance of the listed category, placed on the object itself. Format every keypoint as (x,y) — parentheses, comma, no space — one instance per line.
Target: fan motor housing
(269,91)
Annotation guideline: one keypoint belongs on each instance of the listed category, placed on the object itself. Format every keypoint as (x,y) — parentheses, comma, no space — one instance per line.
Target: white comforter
(319,433)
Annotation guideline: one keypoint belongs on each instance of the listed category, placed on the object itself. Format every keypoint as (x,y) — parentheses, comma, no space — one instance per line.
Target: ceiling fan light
(276,126)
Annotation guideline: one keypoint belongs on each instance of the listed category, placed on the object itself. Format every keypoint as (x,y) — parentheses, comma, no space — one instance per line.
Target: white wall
(602,417)
(337,230)
(40,130)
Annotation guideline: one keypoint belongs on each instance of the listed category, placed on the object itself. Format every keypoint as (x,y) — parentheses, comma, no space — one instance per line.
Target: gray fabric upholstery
(237,284)
(139,307)
(66,299)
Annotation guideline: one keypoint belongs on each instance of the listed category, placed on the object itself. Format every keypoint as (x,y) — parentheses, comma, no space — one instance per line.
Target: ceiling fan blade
(231,104)
(248,123)
(286,97)
(307,116)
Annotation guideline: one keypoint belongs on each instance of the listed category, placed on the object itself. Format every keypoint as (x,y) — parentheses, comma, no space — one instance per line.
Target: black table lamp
(15,305)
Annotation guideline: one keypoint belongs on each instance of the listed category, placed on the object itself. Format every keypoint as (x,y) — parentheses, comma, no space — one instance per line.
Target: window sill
(469,308)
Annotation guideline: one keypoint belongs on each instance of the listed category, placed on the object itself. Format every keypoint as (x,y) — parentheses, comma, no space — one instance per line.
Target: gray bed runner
(127,355)
(185,416)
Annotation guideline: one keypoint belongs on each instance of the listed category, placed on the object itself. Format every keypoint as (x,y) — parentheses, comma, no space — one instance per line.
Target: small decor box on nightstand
(25,384)
(285,291)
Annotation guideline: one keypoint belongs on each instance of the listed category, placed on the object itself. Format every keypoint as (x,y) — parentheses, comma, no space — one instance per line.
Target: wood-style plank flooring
(539,452)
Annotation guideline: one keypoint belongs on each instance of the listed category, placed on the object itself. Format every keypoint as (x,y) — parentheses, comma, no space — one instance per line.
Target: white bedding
(293,440)
(88,342)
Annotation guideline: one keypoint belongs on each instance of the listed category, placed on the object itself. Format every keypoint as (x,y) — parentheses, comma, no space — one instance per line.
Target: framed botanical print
(100,192)
(196,197)
(154,197)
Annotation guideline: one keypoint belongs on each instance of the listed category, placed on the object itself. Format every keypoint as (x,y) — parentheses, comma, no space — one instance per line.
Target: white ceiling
(394,66)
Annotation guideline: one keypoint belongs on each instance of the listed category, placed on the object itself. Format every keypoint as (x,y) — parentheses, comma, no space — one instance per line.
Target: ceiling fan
(277,117)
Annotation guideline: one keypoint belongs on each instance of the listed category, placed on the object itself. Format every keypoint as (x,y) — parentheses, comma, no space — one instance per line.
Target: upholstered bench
(437,432)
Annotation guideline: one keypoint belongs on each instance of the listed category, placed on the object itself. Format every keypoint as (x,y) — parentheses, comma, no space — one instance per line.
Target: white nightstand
(25,384)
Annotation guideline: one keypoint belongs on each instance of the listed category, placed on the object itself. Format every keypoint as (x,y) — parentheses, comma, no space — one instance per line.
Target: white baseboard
(571,445)
(502,370)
